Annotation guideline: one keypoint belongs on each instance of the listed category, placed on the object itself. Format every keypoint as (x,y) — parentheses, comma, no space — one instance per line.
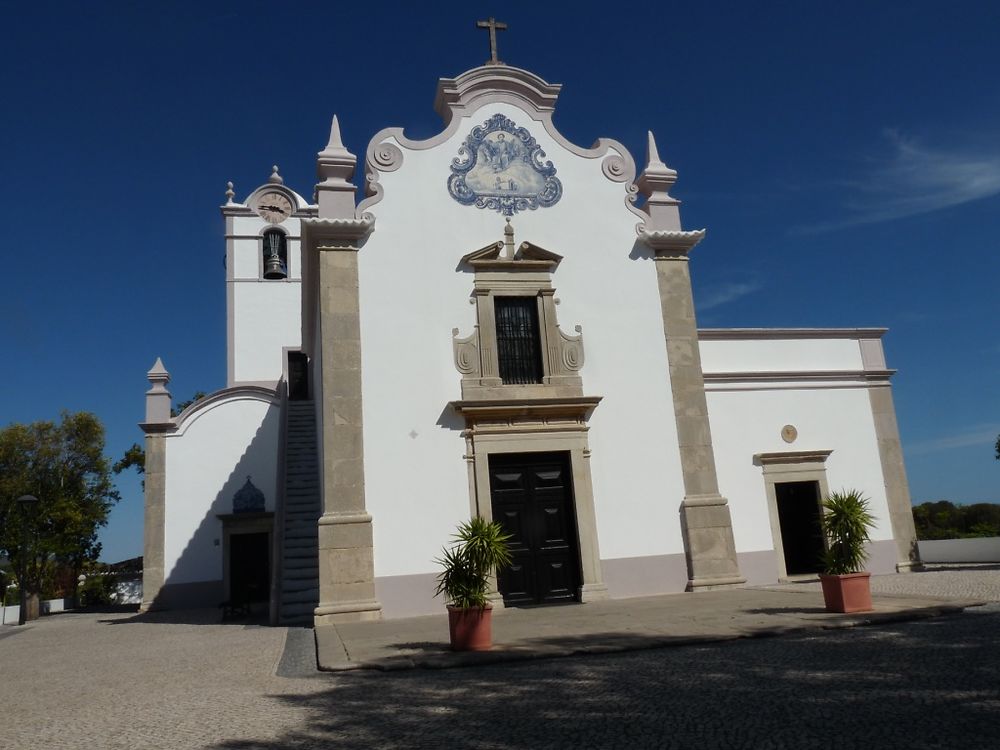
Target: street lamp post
(26,504)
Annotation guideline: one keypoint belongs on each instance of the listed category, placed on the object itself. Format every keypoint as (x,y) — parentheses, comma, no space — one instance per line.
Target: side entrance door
(801,537)
(532,497)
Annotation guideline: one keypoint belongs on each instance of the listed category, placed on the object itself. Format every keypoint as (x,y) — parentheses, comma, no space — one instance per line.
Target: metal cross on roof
(494,26)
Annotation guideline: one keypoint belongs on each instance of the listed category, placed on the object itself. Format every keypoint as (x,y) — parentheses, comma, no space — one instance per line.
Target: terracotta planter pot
(471,629)
(847,593)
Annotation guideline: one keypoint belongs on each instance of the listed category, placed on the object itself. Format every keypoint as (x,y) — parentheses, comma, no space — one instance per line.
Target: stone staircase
(300,546)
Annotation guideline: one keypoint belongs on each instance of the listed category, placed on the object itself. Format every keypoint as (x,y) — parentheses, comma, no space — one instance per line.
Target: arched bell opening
(275,249)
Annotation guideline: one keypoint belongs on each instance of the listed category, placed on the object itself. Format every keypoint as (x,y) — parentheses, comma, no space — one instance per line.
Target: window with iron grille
(518,341)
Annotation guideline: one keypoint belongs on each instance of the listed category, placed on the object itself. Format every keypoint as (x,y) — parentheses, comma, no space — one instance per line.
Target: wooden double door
(532,497)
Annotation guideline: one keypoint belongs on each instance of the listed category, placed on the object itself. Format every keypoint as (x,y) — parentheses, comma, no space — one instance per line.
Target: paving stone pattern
(115,681)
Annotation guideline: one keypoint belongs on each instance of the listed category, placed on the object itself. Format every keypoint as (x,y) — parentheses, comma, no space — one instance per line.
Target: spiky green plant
(480,548)
(846,522)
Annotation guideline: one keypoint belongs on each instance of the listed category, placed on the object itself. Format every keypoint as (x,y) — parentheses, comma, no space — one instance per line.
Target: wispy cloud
(981,435)
(914,179)
(721,294)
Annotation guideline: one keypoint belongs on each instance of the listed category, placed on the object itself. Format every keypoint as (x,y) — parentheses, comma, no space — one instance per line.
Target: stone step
(307,571)
(303,595)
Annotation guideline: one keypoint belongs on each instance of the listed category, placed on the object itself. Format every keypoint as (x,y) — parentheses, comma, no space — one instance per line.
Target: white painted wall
(264,315)
(208,460)
(411,298)
(748,422)
(979,550)
(780,355)
(266,319)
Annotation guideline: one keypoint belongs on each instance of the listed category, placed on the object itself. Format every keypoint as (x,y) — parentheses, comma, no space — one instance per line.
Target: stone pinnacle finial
(158,397)
(508,240)
(653,161)
(335,140)
(158,373)
(230,193)
(654,184)
(275,178)
(335,167)
(652,153)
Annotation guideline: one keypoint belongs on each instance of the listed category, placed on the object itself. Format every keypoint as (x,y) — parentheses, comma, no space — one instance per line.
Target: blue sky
(844,157)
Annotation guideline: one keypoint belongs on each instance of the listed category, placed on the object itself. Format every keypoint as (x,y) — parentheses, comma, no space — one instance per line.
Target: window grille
(518,341)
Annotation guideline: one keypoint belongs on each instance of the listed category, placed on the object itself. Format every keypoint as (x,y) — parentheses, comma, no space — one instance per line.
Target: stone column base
(909,566)
(709,546)
(593,592)
(346,570)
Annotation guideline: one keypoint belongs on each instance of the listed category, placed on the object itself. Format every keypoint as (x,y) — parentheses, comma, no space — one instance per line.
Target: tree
(64,466)
(997,448)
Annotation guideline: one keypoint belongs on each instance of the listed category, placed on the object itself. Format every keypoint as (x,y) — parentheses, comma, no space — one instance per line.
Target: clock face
(274,208)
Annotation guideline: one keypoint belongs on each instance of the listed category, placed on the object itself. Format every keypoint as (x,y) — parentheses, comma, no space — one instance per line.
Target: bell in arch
(275,255)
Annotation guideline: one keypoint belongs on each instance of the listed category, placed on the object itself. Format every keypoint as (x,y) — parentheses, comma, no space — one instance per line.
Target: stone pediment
(527,255)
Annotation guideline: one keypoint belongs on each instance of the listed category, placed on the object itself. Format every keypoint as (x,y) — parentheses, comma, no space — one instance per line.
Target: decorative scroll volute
(571,349)
(466,352)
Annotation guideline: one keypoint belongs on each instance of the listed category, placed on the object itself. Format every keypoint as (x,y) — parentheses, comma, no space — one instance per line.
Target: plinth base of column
(593,592)
(712,584)
(709,546)
(334,614)
(909,566)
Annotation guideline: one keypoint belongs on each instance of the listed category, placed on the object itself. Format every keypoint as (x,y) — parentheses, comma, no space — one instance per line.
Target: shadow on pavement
(924,684)
(207,616)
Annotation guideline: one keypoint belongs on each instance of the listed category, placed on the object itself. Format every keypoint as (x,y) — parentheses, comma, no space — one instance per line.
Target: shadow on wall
(196,578)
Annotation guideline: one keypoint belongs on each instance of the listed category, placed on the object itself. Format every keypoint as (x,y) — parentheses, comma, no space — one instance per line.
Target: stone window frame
(500,271)
(790,466)
(234,524)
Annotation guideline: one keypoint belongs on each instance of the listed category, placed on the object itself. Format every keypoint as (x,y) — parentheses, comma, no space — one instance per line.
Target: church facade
(503,326)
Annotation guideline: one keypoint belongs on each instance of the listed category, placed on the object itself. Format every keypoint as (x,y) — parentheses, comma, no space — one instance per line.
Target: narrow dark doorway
(298,376)
(249,568)
(798,517)
(532,497)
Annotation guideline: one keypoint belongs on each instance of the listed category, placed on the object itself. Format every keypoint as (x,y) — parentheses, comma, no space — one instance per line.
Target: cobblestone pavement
(111,681)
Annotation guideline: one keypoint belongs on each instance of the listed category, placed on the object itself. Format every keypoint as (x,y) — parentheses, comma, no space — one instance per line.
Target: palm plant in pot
(846,523)
(480,549)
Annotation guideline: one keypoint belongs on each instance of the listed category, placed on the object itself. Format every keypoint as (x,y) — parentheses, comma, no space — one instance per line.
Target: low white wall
(978,550)
(9,615)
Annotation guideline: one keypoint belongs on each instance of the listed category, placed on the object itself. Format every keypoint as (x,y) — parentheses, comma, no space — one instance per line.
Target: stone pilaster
(346,552)
(158,422)
(897,490)
(706,525)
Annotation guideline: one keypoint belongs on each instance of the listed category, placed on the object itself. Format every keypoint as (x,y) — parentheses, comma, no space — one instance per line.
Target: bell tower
(263,280)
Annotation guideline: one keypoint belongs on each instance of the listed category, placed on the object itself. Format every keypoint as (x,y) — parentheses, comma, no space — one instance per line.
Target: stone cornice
(461,95)
(578,406)
(791,457)
(174,424)
(785,376)
(316,231)
(736,334)
(671,241)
